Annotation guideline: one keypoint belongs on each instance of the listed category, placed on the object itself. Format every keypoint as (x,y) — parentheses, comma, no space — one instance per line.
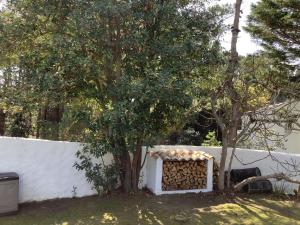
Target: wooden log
(184,175)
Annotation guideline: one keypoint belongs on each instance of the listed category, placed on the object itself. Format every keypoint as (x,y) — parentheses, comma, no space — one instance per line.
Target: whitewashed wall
(291,137)
(45,168)
(267,165)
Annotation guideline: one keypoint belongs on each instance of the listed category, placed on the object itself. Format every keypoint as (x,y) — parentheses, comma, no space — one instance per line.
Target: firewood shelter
(179,171)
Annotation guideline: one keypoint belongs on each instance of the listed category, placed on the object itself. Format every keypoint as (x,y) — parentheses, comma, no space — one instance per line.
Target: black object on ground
(238,175)
(260,186)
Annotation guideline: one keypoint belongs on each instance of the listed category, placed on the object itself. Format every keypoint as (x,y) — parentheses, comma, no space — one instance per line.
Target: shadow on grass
(164,210)
(270,211)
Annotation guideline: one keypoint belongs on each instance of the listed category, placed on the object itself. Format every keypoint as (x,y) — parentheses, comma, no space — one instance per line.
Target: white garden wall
(45,168)
(292,136)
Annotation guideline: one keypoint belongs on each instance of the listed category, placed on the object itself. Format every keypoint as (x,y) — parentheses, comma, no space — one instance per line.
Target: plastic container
(9,193)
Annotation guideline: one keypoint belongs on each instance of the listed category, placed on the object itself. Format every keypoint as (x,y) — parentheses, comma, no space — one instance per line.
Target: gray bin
(9,193)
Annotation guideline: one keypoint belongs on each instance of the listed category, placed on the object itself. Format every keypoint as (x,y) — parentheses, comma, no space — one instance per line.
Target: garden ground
(146,209)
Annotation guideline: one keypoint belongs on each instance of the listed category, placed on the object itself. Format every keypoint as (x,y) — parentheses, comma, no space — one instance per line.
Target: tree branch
(277,176)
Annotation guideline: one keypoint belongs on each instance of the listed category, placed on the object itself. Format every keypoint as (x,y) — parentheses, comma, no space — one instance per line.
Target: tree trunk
(234,121)
(48,122)
(229,134)
(231,73)
(136,167)
(126,172)
(38,123)
(229,166)
(221,179)
(235,31)
(2,122)
(130,171)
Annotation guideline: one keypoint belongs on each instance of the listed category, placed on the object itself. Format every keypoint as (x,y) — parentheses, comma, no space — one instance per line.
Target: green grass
(165,210)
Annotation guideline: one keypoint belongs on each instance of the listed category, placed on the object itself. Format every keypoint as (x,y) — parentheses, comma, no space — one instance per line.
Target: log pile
(184,175)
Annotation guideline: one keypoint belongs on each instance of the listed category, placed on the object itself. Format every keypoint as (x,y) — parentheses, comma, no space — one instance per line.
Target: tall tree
(133,59)
(229,124)
(243,89)
(32,86)
(275,23)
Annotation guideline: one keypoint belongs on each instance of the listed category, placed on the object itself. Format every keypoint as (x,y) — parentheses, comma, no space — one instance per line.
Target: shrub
(211,140)
(104,178)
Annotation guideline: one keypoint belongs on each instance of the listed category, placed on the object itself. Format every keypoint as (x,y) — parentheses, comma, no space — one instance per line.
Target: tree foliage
(123,74)
(244,89)
(276,24)
(132,63)
(211,140)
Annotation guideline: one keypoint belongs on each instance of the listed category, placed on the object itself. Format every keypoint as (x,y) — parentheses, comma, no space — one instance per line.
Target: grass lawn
(165,210)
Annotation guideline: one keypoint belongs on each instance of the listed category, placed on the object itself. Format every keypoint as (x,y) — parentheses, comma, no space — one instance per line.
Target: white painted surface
(290,138)
(153,169)
(260,159)
(292,143)
(45,168)
(210,171)
(150,170)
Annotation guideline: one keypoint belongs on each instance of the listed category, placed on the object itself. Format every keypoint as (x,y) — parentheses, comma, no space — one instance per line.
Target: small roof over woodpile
(179,154)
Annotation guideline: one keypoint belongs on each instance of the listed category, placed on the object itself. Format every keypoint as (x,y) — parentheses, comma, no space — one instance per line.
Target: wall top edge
(36,140)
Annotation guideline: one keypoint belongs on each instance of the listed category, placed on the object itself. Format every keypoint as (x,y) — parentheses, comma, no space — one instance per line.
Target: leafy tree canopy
(276,24)
(134,60)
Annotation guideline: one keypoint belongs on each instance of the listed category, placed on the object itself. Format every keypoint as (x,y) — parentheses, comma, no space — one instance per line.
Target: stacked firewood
(184,175)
